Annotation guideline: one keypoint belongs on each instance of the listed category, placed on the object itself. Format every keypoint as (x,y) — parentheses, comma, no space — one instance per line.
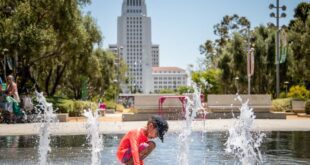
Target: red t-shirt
(132,140)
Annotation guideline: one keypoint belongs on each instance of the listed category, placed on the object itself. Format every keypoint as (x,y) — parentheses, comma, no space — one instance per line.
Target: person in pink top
(135,145)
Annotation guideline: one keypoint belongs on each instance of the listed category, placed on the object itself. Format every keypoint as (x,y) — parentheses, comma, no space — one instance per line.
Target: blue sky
(180,26)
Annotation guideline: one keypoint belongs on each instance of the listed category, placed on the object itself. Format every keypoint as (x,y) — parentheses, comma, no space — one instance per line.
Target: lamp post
(250,58)
(236,84)
(250,67)
(286,85)
(277,16)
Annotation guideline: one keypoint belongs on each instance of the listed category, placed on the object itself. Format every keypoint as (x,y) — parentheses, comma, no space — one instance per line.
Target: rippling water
(204,148)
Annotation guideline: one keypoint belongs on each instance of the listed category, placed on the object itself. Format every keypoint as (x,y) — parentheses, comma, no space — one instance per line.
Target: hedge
(75,108)
(282,105)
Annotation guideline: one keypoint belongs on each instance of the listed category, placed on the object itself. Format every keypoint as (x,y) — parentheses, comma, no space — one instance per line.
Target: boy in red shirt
(135,145)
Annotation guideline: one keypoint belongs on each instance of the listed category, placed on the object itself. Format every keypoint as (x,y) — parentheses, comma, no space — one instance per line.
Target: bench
(298,106)
(150,103)
(229,103)
(226,106)
(145,105)
(154,109)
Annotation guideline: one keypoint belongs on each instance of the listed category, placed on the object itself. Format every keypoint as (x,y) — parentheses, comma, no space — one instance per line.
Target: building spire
(134,6)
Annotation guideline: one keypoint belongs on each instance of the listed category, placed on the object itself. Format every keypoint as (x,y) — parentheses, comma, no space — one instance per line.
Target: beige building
(168,78)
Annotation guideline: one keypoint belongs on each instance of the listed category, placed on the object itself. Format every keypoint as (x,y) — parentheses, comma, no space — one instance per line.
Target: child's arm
(133,138)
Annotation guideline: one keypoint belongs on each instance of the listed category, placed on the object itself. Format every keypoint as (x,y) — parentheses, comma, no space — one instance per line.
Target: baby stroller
(33,109)
(32,113)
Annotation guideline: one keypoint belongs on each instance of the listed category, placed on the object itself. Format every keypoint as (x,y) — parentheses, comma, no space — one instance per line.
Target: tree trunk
(48,80)
(25,77)
(59,73)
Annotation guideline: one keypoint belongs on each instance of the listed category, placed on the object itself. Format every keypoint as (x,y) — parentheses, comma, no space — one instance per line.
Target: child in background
(135,145)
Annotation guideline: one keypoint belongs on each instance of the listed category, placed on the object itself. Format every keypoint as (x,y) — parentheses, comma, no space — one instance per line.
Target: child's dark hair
(160,124)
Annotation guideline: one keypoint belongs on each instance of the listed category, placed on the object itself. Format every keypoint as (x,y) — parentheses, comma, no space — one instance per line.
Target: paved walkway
(116,127)
(117,117)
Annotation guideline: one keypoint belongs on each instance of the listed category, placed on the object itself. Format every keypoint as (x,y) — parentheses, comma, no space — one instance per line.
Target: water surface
(205,148)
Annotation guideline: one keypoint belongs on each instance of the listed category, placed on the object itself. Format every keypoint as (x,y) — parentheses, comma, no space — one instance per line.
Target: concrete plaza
(112,125)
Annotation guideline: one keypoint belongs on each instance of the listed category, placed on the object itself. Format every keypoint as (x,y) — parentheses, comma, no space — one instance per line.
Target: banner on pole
(283,46)
(250,62)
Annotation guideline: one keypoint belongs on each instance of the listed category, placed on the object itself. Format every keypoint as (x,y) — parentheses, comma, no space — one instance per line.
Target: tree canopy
(51,45)
(229,53)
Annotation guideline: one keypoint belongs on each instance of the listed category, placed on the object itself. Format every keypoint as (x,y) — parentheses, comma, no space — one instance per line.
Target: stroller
(32,112)
(32,109)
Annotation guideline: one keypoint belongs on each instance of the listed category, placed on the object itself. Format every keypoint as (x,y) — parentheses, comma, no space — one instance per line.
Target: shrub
(65,106)
(110,104)
(61,105)
(281,105)
(298,92)
(73,107)
(185,89)
(282,95)
(307,107)
(80,106)
(165,91)
(120,107)
(129,110)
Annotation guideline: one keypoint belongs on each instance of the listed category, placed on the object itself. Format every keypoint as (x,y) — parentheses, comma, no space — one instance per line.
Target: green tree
(224,65)
(208,49)
(185,89)
(299,37)
(209,80)
(228,51)
(228,26)
(263,77)
(48,38)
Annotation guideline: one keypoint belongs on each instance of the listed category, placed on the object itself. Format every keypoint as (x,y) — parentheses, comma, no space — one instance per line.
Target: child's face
(152,131)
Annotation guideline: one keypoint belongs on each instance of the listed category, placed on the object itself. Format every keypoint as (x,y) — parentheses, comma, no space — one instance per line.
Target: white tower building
(134,45)
(155,55)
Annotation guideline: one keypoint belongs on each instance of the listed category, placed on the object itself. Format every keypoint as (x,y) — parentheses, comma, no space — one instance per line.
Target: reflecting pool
(204,148)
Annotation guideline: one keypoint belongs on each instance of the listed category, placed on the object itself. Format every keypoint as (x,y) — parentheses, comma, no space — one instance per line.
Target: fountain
(47,118)
(93,136)
(242,143)
(191,109)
